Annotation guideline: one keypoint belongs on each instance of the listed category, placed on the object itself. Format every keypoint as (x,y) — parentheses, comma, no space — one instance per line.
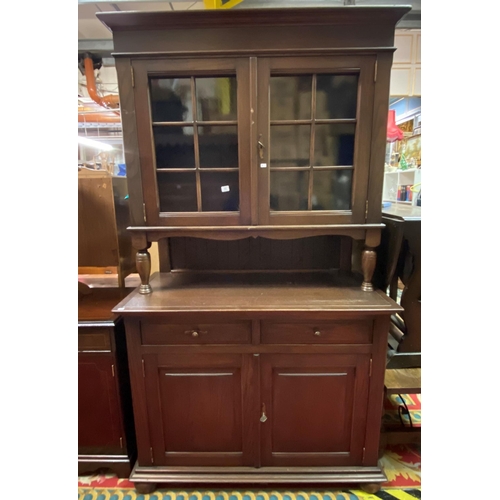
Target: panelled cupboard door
(313,409)
(202,409)
(314,131)
(193,126)
(99,413)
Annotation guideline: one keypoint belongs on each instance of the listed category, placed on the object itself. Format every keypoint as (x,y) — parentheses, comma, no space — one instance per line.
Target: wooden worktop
(255,293)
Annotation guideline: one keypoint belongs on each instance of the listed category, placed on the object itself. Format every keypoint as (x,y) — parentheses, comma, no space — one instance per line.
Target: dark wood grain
(129,128)
(157,333)
(309,402)
(258,254)
(386,16)
(319,332)
(255,292)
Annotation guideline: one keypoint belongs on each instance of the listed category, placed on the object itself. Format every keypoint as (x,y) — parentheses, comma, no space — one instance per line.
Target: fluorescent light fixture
(94,144)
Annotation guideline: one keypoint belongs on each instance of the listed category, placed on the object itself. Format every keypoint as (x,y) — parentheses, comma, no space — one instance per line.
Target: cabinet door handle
(263,418)
(317,333)
(261,147)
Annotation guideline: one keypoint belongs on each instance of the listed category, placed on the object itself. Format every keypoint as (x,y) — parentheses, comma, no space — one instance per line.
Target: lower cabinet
(267,404)
(213,409)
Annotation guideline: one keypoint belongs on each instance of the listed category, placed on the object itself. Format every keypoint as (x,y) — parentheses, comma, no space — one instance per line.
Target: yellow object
(224,95)
(414,189)
(220,4)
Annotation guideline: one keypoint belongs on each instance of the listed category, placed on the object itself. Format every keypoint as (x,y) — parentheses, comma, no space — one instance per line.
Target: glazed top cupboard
(266,122)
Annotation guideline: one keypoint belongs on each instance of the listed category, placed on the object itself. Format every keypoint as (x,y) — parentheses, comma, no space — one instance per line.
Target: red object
(393,131)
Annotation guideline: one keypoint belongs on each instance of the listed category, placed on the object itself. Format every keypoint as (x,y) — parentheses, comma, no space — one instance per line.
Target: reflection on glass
(174,147)
(216,98)
(289,190)
(332,190)
(177,191)
(290,97)
(218,146)
(334,145)
(171,99)
(290,145)
(336,96)
(220,191)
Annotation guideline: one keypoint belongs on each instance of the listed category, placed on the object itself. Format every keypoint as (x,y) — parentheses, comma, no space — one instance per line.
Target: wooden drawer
(94,339)
(196,333)
(320,332)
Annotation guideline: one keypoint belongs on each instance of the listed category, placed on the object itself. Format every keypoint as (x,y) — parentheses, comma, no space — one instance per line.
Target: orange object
(110,101)
(99,117)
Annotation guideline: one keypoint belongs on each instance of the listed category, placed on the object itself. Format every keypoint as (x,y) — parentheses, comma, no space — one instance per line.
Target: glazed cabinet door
(193,129)
(313,409)
(314,135)
(100,429)
(200,409)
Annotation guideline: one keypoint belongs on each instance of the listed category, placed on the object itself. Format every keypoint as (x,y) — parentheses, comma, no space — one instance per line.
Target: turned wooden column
(368,261)
(142,261)
(143,264)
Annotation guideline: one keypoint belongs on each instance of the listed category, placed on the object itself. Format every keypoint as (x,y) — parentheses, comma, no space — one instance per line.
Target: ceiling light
(94,144)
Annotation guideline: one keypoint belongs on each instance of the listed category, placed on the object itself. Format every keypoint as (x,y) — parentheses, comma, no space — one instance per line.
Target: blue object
(386,204)
(122,169)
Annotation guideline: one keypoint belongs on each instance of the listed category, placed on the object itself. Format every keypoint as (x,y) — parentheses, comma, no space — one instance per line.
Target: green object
(403,165)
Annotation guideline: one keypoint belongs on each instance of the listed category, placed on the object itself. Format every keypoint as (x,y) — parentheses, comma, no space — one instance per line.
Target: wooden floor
(403,381)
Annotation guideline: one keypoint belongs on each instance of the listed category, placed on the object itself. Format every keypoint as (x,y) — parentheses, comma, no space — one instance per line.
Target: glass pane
(220,191)
(290,97)
(171,99)
(336,96)
(332,190)
(216,99)
(174,147)
(218,146)
(177,191)
(290,145)
(289,190)
(334,145)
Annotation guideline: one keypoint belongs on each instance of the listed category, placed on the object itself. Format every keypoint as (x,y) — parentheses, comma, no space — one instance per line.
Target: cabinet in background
(106,437)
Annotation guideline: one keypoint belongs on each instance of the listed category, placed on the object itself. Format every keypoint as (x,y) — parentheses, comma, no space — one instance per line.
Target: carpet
(395,414)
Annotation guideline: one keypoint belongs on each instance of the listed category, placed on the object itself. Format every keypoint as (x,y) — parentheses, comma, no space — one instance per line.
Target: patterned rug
(106,494)
(395,414)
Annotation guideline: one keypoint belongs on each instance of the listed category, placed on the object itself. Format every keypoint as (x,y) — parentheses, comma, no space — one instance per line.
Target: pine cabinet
(255,146)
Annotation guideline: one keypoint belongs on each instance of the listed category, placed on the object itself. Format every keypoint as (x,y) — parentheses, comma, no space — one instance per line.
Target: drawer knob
(195,333)
(317,333)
